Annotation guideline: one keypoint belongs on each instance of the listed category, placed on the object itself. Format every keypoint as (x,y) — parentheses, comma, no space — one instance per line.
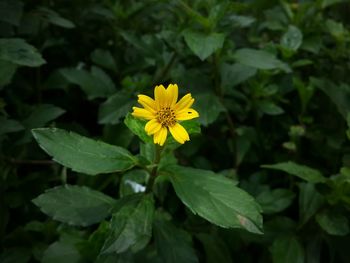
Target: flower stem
(153,175)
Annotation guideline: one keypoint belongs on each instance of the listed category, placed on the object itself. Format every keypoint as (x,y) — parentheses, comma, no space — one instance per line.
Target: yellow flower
(164,113)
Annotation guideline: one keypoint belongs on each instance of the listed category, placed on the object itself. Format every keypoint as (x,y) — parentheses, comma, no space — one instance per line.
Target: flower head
(164,113)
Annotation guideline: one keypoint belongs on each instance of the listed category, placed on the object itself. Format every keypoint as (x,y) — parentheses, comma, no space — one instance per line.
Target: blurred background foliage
(271,83)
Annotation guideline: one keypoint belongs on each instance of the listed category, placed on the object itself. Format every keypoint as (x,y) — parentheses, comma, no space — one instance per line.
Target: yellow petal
(179,133)
(160,96)
(147,102)
(172,93)
(160,136)
(142,113)
(184,103)
(186,114)
(152,126)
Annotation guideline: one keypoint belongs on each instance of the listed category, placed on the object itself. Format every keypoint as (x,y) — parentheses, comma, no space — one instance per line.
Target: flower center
(166,117)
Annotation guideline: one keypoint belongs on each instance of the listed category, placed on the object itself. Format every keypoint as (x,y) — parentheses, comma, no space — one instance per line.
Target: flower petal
(172,93)
(147,102)
(160,96)
(184,103)
(142,113)
(179,133)
(152,126)
(160,136)
(186,114)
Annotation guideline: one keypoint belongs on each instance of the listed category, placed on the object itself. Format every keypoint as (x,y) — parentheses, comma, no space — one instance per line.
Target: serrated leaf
(173,244)
(260,59)
(75,205)
(82,154)
(114,108)
(19,52)
(215,198)
(304,172)
(203,45)
(131,226)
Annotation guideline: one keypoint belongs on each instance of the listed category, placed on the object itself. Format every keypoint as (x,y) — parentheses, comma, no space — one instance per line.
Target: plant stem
(153,175)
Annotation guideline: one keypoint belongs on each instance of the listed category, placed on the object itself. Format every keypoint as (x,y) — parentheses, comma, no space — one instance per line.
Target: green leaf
(82,154)
(275,201)
(54,18)
(242,21)
(333,223)
(137,126)
(327,3)
(336,29)
(209,107)
(287,250)
(19,52)
(41,115)
(114,108)
(338,94)
(75,205)
(131,226)
(105,82)
(259,59)
(312,44)
(203,45)
(292,39)
(304,172)
(61,252)
(235,74)
(96,84)
(8,126)
(7,70)
(173,244)
(215,198)
(269,107)
(104,59)
(309,201)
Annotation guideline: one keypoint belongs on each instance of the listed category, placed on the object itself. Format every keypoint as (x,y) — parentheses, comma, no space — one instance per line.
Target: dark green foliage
(265,177)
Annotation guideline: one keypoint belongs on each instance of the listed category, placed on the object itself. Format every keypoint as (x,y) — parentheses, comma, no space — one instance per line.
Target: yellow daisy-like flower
(164,113)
